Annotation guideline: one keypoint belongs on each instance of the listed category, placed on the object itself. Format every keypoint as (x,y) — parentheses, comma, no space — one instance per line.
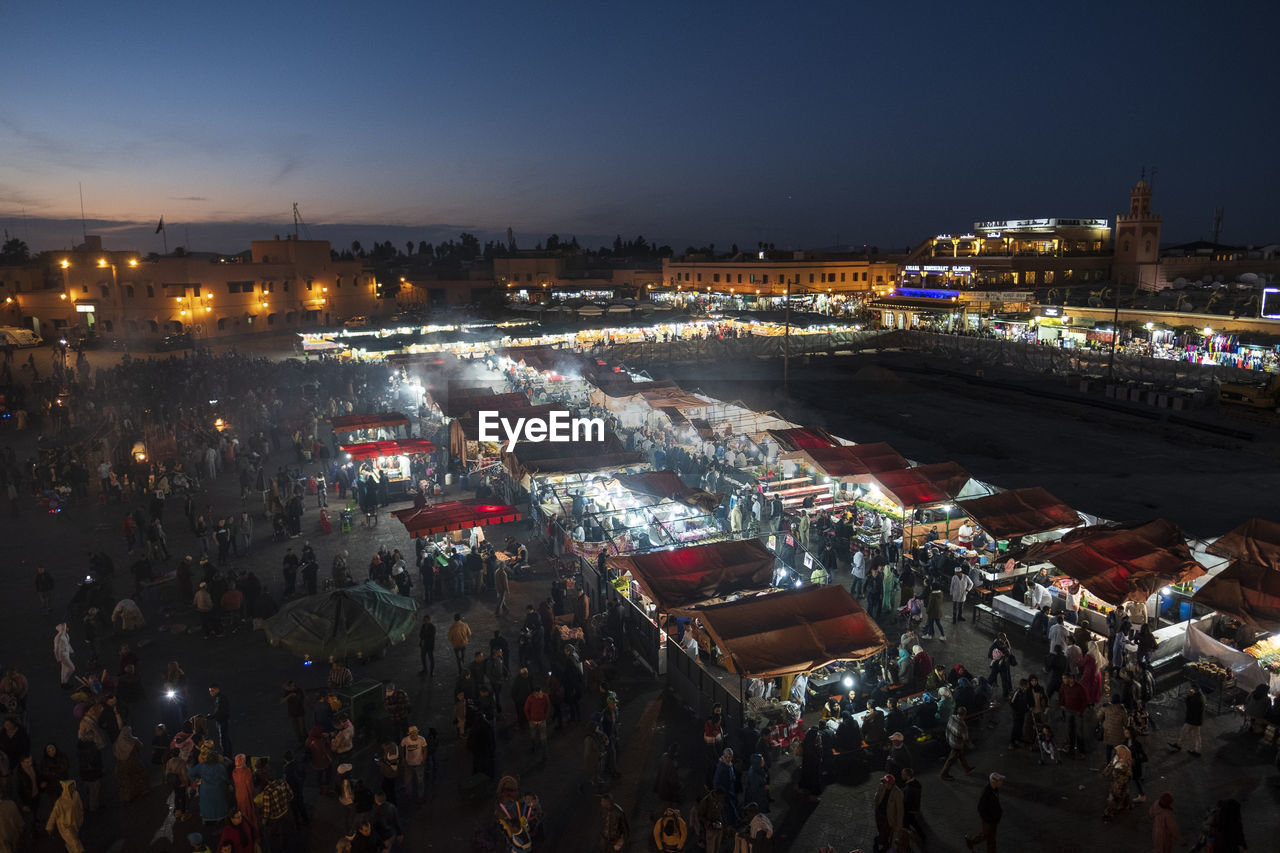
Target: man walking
(459,636)
(413,756)
(221,715)
(911,803)
(501,586)
(989,812)
(44,587)
(537,707)
(427,646)
(1191,722)
(960,587)
(958,740)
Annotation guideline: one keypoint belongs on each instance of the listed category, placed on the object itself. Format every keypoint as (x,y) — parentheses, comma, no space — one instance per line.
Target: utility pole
(1115,334)
(786,341)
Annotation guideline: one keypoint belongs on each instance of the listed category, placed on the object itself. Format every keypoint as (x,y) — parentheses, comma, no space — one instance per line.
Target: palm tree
(14,251)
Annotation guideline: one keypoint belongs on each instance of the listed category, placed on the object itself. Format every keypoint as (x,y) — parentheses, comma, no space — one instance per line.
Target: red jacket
(537,707)
(1073,698)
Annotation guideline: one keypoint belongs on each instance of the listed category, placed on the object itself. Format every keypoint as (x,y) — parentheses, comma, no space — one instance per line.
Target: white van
(18,337)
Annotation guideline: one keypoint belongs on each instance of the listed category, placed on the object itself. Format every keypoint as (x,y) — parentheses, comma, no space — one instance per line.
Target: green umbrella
(358,621)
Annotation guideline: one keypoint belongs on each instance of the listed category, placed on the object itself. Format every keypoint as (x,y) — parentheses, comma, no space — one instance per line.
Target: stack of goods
(1267,651)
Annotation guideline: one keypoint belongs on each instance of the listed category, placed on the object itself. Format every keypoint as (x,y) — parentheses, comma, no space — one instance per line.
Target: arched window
(105,289)
(128,291)
(151,293)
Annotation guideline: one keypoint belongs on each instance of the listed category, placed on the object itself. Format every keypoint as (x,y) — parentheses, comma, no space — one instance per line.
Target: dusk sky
(805,124)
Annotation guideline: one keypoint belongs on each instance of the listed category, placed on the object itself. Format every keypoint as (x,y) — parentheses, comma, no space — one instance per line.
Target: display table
(1013,611)
(1172,639)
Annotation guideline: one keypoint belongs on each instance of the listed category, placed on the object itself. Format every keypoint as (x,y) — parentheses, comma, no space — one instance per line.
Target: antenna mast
(298,223)
(84,231)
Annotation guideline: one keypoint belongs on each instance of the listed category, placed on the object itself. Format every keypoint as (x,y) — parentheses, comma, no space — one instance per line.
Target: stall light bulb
(848,682)
(799,583)
(1167,591)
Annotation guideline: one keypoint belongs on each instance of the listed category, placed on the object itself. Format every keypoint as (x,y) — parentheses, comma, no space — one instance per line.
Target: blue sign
(927,293)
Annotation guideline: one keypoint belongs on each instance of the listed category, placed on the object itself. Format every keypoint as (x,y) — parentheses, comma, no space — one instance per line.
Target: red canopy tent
(924,485)
(1256,541)
(667,484)
(1119,564)
(454,515)
(1247,591)
(399,447)
(1020,512)
(468,404)
(678,579)
(792,631)
(800,438)
(351,423)
(851,463)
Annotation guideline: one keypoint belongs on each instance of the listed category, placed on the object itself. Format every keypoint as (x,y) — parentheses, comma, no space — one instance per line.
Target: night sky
(806,124)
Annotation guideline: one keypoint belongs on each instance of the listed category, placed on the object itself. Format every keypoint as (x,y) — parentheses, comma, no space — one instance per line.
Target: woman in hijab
(212,782)
(67,817)
(238,832)
(724,779)
(242,779)
(62,654)
(1120,772)
(89,746)
(1164,825)
(53,767)
(756,788)
(131,777)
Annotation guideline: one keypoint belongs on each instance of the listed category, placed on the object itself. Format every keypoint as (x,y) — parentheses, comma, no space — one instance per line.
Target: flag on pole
(160,227)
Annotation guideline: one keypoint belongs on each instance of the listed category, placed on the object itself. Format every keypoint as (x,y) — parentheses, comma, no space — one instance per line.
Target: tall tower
(1137,247)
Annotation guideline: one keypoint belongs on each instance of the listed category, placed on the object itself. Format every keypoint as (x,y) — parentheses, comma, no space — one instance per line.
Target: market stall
(625,512)
(787,633)
(474,400)
(1257,541)
(545,458)
(372,426)
(464,431)
(400,459)
(454,515)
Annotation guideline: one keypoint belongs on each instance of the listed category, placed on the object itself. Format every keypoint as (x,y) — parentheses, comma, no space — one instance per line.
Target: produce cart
(1210,677)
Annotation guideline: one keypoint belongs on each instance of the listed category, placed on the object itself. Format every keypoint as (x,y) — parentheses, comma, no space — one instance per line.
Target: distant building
(278,284)
(769,275)
(1137,247)
(1012,254)
(536,276)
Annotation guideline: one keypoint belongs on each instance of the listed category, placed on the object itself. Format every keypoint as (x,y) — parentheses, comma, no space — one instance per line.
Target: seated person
(848,734)
(924,715)
(873,729)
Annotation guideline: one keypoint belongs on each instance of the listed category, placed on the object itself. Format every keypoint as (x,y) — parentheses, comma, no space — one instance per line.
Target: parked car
(19,337)
(357,322)
(172,342)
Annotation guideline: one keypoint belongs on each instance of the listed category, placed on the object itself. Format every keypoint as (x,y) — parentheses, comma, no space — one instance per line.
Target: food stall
(1124,563)
(625,512)
(401,459)
(454,516)
(661,584)
(786,633)
(372,426)
(1016,514)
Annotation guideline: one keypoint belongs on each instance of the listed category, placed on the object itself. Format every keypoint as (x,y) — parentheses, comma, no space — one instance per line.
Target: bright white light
(799,583)
(848,682)
(1167,591)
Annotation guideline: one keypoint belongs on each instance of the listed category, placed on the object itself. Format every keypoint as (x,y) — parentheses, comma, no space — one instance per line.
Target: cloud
(288,165)
(188,198)
(18,198)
